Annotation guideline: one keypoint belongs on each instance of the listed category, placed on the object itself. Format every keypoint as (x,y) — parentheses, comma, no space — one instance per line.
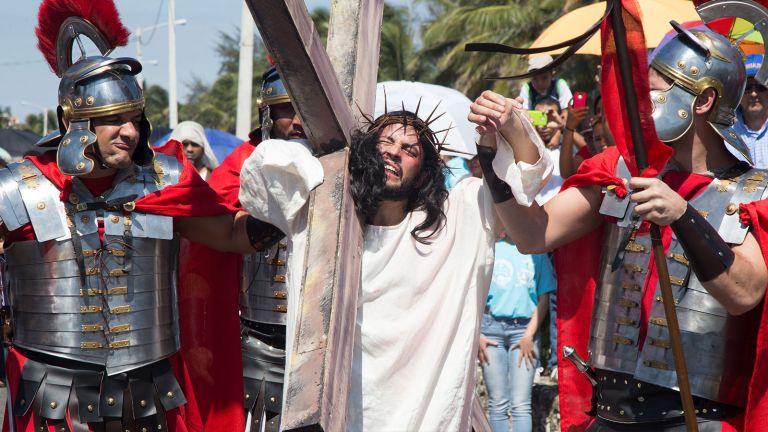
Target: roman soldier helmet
(90,87)
(697,59)
(273,92)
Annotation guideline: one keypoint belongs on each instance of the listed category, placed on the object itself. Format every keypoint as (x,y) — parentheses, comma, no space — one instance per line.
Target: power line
(155,26)
(20,62)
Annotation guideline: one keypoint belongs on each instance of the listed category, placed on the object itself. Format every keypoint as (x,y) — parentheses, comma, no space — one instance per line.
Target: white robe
(420,305)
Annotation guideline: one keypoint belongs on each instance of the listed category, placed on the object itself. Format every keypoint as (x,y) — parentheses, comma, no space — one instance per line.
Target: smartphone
(579,99)
(538,118)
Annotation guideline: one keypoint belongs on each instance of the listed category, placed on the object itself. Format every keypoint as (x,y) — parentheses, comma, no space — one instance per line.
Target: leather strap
(707,252)
(500,190)
(261,234)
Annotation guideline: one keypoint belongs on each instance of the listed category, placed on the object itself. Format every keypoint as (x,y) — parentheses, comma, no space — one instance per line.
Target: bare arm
(568,164)
(526,343)
(742,286)
(224,233)
(538,316)
(566,217)
(534,229)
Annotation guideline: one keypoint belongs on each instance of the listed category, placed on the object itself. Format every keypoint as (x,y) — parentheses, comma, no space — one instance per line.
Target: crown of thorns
(407,118)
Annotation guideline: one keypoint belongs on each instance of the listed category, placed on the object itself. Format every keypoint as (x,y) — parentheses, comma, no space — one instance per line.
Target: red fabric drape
(212,281)
(577,265)
(611,87)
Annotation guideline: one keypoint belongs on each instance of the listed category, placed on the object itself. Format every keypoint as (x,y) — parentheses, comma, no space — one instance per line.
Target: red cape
(207,341)
(217,409)
(577,267)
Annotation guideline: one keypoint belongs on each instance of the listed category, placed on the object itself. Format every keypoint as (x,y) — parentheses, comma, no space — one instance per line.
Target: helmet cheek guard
(672,112)
(71,156)
(273,92)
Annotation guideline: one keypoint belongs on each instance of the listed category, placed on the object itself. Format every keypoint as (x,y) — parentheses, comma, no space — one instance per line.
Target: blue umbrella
(222,143)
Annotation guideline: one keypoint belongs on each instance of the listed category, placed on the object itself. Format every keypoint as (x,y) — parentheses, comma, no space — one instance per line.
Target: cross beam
(320,361)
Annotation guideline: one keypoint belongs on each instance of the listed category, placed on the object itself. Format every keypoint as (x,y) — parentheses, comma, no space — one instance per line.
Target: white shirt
(419,306)
(417,320)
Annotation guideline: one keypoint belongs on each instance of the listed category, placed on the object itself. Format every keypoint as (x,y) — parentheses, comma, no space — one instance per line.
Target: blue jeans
(552,330)
(509,386)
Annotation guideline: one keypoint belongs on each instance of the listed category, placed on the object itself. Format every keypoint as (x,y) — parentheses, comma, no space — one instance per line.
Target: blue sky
(24,75)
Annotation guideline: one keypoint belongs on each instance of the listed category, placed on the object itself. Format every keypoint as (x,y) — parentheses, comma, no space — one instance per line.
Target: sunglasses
(756,88)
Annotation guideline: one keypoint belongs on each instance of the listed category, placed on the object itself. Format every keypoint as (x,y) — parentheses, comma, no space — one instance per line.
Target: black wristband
(500,190)
(262,235)
(707,252)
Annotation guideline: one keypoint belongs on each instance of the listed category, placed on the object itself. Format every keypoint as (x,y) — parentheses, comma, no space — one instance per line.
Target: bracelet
(570,129)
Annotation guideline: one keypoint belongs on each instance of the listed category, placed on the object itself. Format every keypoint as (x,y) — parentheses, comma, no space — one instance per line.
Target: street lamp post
(45,114)
(137,33)
(173,107)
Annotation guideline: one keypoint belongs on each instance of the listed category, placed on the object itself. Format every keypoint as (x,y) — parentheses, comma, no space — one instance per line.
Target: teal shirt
(518,281)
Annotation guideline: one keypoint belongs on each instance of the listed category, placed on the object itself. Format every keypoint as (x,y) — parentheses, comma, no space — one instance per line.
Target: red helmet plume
(101,13)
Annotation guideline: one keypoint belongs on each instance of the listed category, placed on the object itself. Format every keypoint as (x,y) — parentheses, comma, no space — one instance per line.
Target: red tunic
(191,196)
(577,266)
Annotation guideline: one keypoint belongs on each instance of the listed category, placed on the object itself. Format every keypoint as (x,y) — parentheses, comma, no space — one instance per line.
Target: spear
(641,158)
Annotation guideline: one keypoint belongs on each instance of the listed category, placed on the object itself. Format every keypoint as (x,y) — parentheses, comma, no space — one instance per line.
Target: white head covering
(193,131)
(5,157)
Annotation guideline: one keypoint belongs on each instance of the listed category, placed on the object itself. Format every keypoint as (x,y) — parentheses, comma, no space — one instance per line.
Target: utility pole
(173,107)
(245,74)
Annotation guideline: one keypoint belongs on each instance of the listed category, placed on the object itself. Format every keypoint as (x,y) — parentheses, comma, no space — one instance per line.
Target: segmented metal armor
(719,347)
(264,303)
(94,313)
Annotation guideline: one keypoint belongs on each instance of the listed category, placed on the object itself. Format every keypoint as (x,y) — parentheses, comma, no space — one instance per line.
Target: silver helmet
(273,92)
(91,87)
(695,60)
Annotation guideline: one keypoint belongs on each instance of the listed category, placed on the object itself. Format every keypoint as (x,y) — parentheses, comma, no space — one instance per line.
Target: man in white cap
(544,85)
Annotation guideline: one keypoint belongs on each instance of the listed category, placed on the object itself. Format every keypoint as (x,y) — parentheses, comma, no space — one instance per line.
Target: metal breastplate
(110,302)
(716,344)
(263,293)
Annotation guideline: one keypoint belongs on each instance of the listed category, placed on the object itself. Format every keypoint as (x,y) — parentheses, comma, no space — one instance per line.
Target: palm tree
(397,60)
(458,22)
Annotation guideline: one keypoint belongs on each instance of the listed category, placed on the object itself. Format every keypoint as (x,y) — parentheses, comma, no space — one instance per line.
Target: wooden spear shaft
(625,70)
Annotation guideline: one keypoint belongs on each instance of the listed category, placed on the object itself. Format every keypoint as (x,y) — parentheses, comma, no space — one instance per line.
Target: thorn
(385,99)
(434,119)
(428,121)
(417,107)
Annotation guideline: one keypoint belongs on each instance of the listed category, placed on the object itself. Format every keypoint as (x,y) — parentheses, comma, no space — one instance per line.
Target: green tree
(34,122)
(399,58)
(156,105)
(457,22)
(214,105)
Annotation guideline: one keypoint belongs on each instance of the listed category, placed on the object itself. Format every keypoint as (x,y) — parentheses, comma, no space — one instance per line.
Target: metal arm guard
(261,234)
(500,190)
(708,253)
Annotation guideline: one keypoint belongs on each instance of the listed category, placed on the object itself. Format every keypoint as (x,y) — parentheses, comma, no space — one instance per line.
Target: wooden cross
(323,85)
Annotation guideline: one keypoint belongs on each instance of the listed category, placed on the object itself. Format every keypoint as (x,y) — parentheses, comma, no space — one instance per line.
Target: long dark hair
(368,180)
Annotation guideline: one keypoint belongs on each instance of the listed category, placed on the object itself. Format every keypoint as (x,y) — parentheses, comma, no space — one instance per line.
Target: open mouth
(391,169)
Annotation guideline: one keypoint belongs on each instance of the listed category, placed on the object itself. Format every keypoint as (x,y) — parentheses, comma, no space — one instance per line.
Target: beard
(398,193)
